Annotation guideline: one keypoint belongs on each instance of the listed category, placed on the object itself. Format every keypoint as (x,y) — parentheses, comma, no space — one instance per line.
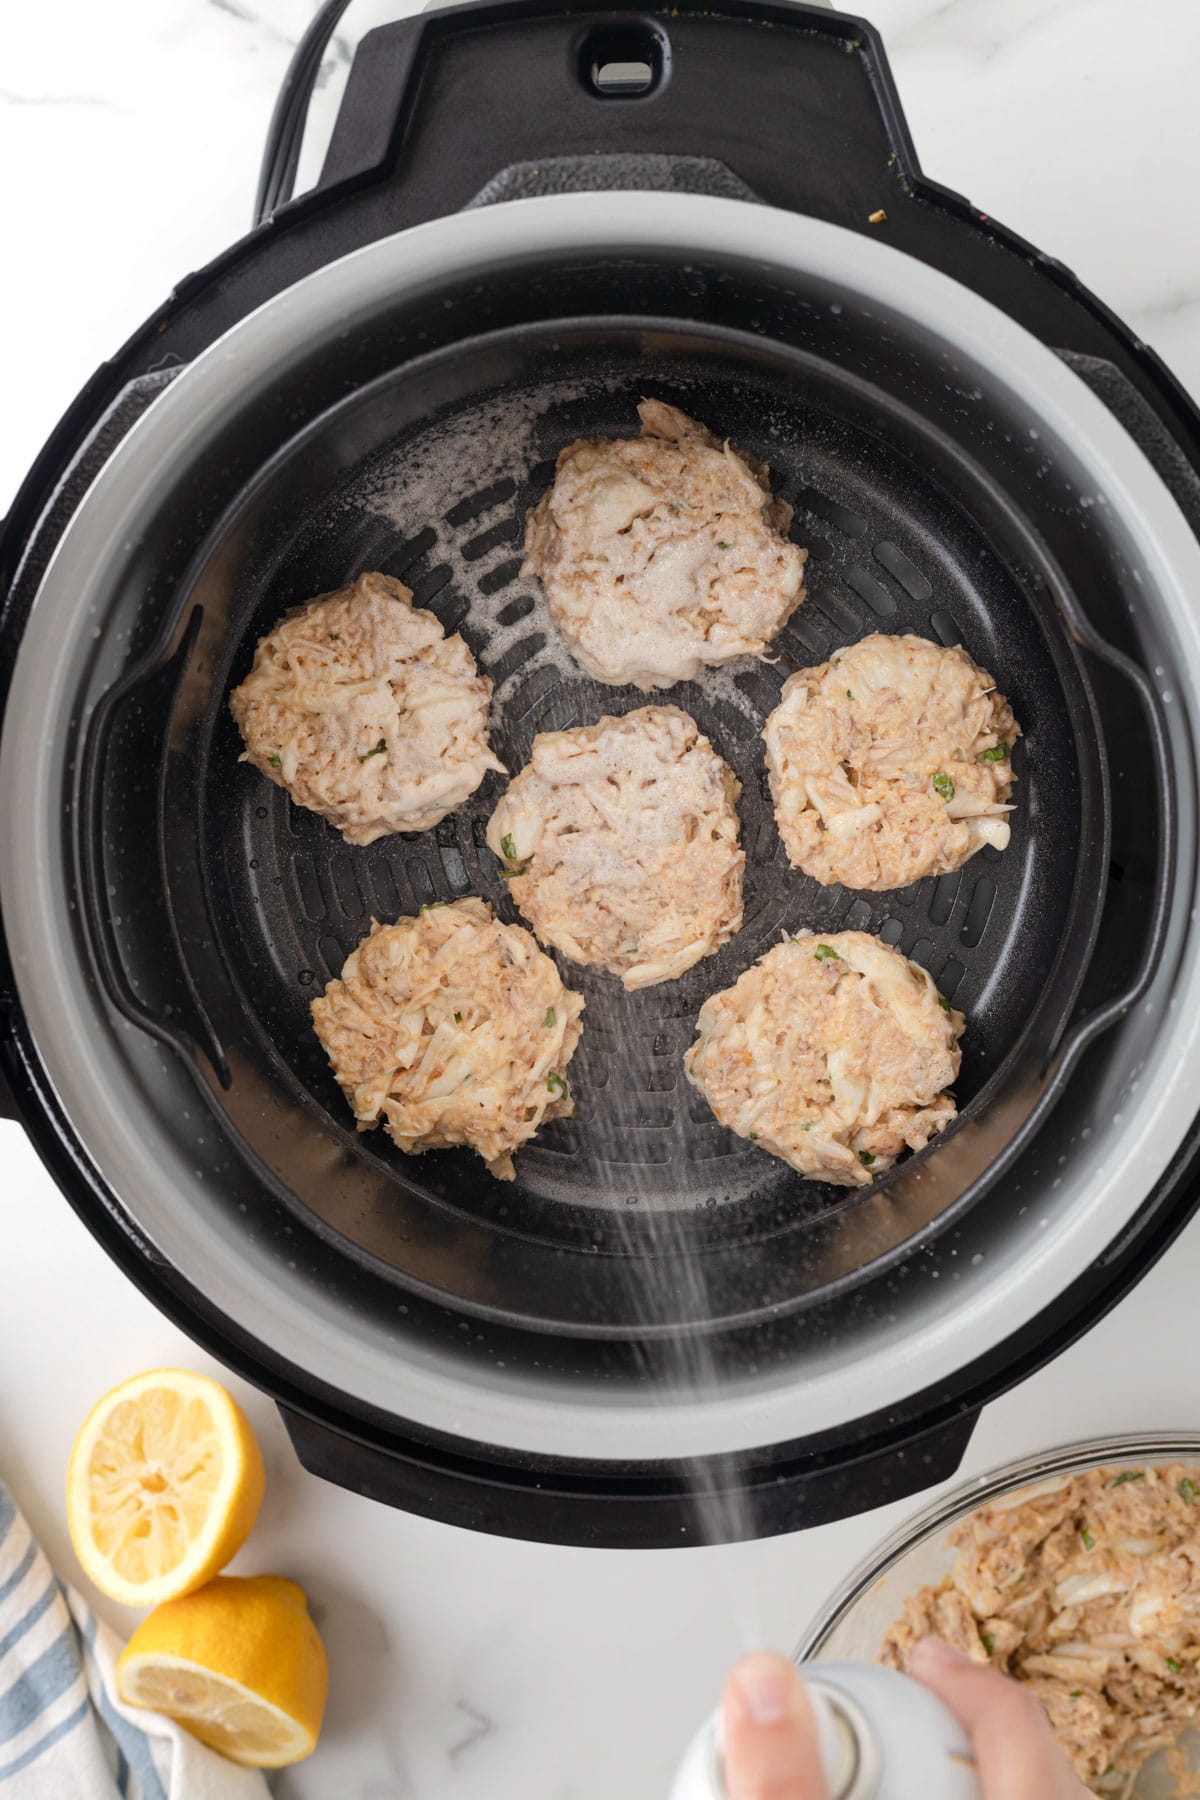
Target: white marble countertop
(466,1668)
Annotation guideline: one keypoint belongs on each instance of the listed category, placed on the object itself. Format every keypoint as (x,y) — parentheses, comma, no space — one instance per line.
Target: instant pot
(531,215)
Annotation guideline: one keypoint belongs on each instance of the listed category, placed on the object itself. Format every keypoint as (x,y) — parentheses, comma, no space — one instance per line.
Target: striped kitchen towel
(64,1735)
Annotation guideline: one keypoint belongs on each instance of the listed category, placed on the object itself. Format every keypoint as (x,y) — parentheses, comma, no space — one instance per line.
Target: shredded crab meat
(834,1053)
(664,554)
(891,761)
(451,1028)
(1086,1589)
(621,840)
(366,712)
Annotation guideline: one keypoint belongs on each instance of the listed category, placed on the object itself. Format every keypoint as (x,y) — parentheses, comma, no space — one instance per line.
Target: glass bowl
(851,1625)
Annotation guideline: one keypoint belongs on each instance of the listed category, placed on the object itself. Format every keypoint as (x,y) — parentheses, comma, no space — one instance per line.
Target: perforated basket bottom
(444,510)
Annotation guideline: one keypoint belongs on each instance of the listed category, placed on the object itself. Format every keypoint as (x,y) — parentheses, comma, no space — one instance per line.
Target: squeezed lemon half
(164,1483)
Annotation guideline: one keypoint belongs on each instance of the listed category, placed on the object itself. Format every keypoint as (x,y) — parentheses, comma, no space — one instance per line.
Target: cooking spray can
(881,1736)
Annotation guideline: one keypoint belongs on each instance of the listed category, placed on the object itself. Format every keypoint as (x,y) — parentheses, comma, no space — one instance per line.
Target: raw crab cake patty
(834,1053)
(663,554)
(366,712)
(622,843)
(889,762)
(451,1028)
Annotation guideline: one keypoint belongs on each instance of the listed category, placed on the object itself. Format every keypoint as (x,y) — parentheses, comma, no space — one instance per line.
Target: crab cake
(366,712)
(622,842)
(889,762)
(833,1052)
(663,554)
(451,1028)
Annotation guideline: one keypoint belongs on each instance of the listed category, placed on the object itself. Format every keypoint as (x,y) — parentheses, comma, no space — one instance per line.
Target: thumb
(770,1740)
(1017,1754)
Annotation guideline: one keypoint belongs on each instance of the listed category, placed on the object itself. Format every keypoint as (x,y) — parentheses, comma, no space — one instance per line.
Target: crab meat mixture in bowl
(1086,1588)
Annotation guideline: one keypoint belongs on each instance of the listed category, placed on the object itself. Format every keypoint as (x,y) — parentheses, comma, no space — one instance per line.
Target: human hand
(770,1749)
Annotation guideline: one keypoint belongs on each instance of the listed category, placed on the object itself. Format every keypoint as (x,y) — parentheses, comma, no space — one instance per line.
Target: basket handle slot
(182,1023)
(1136,914)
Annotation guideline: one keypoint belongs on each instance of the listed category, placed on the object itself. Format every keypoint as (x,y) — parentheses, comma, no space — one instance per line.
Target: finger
(769,1734)
(1018,1755)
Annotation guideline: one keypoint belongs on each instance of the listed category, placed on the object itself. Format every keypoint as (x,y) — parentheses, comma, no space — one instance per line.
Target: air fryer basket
(426,474)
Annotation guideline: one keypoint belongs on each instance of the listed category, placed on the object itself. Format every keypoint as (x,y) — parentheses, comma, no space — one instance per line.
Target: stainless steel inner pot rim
(934,1520)
(96,1065)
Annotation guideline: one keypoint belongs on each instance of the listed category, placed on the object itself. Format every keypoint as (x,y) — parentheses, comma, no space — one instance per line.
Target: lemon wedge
(164,1483)
(238,1663)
